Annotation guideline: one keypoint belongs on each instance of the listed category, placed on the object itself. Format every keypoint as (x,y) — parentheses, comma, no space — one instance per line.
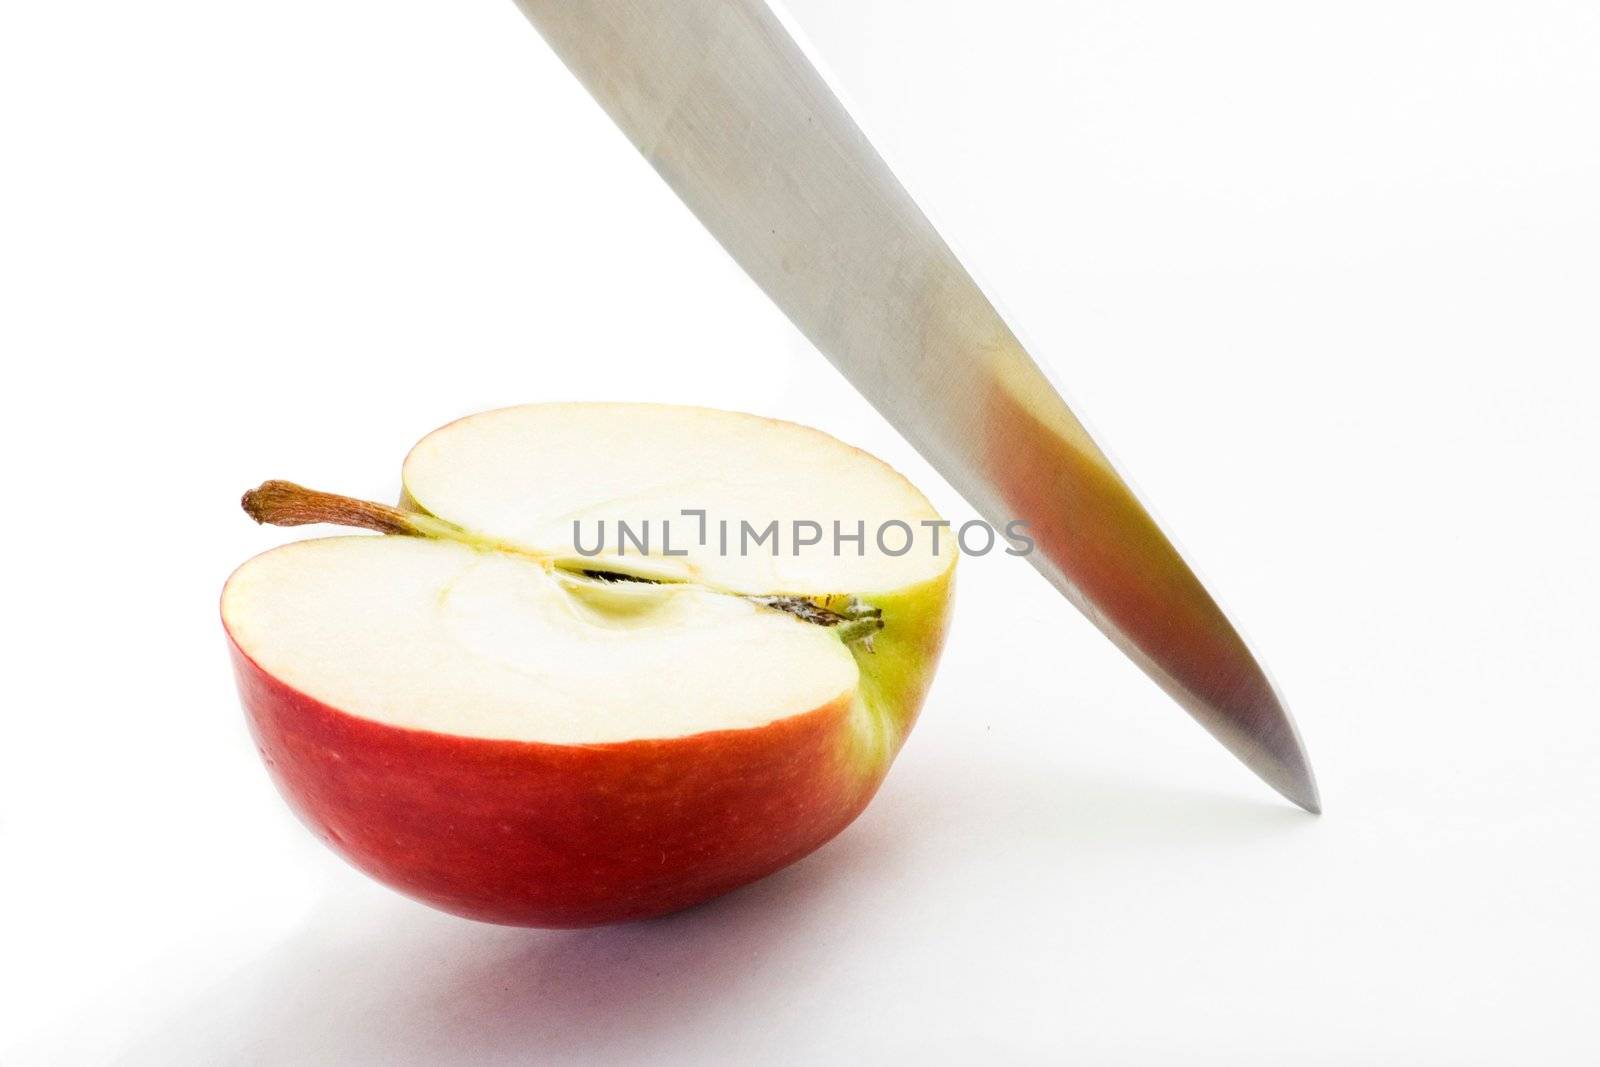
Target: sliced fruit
(483,714)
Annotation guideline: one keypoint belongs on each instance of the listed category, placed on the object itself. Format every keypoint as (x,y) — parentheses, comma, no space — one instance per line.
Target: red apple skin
(533,834)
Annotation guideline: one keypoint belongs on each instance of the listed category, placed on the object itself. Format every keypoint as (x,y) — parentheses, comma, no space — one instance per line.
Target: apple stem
(281,503)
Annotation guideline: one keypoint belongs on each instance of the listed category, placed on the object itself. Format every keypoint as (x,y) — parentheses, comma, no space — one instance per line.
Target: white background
(1324,277)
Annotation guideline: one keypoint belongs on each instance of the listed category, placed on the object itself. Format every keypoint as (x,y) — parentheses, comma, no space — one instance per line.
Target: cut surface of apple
(526,475)
(438,636)
(507,726)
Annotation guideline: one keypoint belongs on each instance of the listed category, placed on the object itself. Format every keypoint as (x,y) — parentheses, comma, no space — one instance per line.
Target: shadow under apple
(395,983)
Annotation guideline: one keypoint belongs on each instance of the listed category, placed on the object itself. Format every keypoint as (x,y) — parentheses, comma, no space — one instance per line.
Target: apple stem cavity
(281,503)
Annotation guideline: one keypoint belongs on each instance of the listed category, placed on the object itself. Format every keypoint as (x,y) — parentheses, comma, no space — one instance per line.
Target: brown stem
(280,503)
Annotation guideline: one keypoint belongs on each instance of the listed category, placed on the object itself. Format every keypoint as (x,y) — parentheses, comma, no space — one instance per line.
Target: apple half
(501,713)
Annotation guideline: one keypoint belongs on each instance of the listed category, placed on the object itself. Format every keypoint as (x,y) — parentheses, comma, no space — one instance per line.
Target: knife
(723,102)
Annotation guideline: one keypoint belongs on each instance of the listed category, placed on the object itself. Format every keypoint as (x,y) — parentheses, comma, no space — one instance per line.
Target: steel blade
(724,103)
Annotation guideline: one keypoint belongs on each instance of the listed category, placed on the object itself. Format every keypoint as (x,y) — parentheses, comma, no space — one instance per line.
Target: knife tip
(1290,772)
(1306,797)
(1263,735)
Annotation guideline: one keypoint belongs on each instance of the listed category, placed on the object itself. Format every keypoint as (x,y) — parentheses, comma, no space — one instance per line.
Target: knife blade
(726,106)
